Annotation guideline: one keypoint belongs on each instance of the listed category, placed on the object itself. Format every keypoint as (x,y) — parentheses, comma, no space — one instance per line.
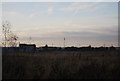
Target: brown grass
(62,65)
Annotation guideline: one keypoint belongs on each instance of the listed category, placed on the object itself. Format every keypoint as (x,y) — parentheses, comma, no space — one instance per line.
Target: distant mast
(64,42)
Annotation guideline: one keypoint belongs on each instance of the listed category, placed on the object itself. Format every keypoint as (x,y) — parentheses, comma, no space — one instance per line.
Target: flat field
(62,65)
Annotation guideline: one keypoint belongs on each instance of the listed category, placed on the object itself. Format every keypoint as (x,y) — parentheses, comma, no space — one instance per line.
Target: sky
(60,0)
(81,23)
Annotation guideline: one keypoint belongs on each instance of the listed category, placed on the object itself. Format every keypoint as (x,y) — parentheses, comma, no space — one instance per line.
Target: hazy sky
(81,23)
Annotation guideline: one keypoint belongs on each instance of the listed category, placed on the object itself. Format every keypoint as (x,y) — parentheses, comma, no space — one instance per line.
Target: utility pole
(52,44)
(30,38)
(111,45)
(64,41)
(104,45)
(79,45)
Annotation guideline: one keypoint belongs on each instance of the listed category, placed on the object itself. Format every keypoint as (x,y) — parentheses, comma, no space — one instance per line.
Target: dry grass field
(62,65)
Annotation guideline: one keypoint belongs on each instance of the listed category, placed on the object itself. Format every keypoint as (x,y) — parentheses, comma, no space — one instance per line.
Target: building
(30,48)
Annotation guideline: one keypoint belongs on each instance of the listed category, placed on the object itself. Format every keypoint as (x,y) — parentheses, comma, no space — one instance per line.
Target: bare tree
(9,37)
(12,40)
(6,29)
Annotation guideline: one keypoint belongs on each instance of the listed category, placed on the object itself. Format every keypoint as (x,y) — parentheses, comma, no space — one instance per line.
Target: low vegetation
(62,65)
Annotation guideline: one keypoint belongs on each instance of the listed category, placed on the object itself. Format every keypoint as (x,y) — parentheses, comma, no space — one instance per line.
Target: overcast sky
(81,23)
